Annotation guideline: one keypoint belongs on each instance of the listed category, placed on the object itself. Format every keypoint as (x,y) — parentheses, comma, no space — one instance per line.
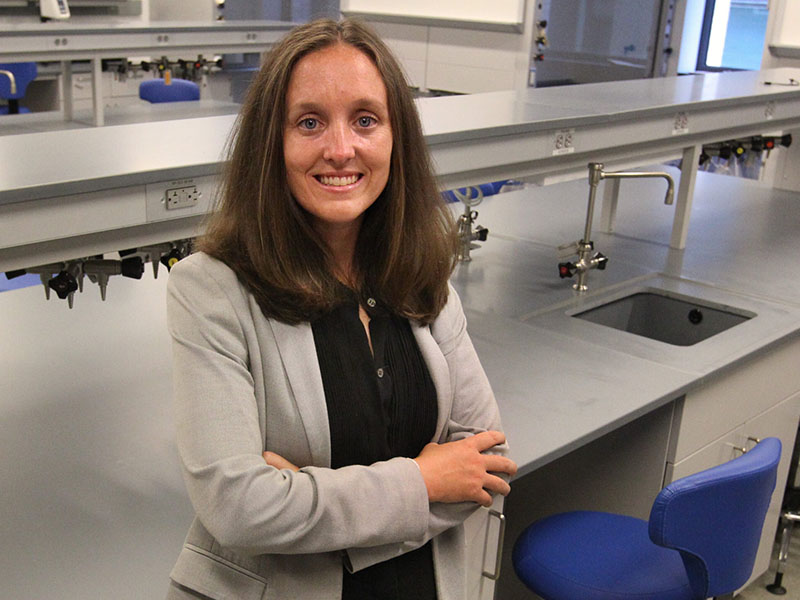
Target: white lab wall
(783,28)
(459,58)
(690,35)
(480,11)
(183,10)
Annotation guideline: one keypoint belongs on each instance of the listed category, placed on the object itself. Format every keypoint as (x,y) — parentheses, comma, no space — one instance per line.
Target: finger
(488,439)
(495,484)
(499,464)
(277,461)
(484,499)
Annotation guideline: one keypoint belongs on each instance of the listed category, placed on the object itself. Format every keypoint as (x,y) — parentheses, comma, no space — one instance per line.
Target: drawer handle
(499,556)
(741,449)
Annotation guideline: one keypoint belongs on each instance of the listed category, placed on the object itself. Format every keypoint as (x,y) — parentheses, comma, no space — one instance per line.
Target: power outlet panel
(182,197)
(179,198)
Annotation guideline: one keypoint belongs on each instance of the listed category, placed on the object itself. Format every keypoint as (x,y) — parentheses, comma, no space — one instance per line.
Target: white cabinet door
(780,422)
(482,531)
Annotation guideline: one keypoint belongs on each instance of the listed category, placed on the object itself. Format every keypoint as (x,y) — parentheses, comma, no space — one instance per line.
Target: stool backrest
(714,518)
(157,90)
(24,73)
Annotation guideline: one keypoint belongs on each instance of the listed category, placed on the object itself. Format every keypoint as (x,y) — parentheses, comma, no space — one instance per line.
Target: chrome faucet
(587,258)
(466,235)
(12,79)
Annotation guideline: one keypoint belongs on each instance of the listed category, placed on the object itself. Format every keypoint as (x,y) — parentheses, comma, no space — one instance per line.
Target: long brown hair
(405,251)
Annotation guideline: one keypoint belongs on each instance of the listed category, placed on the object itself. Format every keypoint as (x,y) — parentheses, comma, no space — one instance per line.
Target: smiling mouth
(338,181)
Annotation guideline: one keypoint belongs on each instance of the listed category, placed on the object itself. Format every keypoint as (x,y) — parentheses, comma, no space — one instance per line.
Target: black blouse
(381,404)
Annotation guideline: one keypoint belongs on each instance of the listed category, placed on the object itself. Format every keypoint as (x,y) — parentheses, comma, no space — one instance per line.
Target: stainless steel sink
(666,316)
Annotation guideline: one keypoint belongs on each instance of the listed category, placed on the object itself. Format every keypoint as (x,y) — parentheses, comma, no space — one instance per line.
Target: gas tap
(466,235)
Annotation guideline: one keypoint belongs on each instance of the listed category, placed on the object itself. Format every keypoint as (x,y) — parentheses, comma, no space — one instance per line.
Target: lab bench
(68,42)
(548,134)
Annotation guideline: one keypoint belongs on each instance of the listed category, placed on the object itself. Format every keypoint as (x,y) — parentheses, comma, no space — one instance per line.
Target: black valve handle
(566,269)
(132,267)
(63,284)
(602,261)
(482,233)
(170,258)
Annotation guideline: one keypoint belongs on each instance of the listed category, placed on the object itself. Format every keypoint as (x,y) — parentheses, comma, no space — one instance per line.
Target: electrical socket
(179,198)
(563,142)
(182,197)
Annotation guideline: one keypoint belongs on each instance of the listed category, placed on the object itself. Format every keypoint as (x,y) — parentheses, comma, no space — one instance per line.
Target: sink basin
(666,316)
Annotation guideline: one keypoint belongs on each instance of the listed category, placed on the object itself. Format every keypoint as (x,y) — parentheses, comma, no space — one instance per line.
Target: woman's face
(337,142)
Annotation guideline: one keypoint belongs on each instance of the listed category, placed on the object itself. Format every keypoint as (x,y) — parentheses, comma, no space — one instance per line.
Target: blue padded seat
(178,90)
(586,555)
(24,73)
(700,541)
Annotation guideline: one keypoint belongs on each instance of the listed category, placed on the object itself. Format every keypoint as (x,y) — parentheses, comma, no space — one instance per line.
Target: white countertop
(560,381)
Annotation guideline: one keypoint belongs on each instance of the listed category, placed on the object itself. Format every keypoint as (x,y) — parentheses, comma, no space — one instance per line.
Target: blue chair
(14,91)
(482,190)
(700,542)
(178,90)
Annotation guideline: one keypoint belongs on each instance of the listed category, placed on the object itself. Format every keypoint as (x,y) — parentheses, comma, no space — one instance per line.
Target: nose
(339,144)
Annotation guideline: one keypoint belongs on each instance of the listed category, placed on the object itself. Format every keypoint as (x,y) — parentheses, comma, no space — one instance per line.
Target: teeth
(325,180)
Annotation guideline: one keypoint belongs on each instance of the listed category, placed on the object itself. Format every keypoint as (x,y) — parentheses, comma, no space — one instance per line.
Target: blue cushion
(179,90)
(22,109)
(24,73)
(587,555)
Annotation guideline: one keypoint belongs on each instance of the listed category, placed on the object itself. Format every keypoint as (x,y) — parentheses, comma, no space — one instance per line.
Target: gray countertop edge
(504,27)
(53,28)
(85,186)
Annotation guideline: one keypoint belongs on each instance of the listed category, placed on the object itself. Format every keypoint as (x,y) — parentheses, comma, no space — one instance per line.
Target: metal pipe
(12,79)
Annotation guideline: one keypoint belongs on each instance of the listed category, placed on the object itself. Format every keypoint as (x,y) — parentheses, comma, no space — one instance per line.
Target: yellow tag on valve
(167,77)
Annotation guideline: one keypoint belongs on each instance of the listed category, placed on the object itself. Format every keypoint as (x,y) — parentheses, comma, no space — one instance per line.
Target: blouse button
(380,372)
(371,302)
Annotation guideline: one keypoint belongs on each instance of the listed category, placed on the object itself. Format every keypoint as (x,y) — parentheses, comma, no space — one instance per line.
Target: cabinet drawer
(717,452)
(733,397)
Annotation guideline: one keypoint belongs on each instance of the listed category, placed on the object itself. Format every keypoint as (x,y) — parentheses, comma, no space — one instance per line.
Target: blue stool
(14,86)
(700,542)
(178,90)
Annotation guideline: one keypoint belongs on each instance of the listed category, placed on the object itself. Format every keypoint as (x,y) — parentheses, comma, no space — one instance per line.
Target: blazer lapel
(299,356)
(440,374)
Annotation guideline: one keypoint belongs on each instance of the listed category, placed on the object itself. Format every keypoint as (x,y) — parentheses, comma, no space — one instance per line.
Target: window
(733,35)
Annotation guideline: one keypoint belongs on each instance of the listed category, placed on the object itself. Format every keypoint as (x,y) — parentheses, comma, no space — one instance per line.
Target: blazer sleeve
(474,410)
(246,505)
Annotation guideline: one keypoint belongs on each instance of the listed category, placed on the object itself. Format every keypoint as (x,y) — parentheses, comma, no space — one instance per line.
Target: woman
(334,424)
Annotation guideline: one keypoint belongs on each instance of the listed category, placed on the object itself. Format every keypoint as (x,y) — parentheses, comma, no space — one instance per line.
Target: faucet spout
(670,195)
(12,79)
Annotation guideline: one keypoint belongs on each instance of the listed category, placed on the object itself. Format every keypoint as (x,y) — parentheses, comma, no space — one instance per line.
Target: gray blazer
(244,384)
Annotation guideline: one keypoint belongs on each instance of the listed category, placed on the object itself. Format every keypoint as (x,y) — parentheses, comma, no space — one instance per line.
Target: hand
(458,472)
(277,461)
